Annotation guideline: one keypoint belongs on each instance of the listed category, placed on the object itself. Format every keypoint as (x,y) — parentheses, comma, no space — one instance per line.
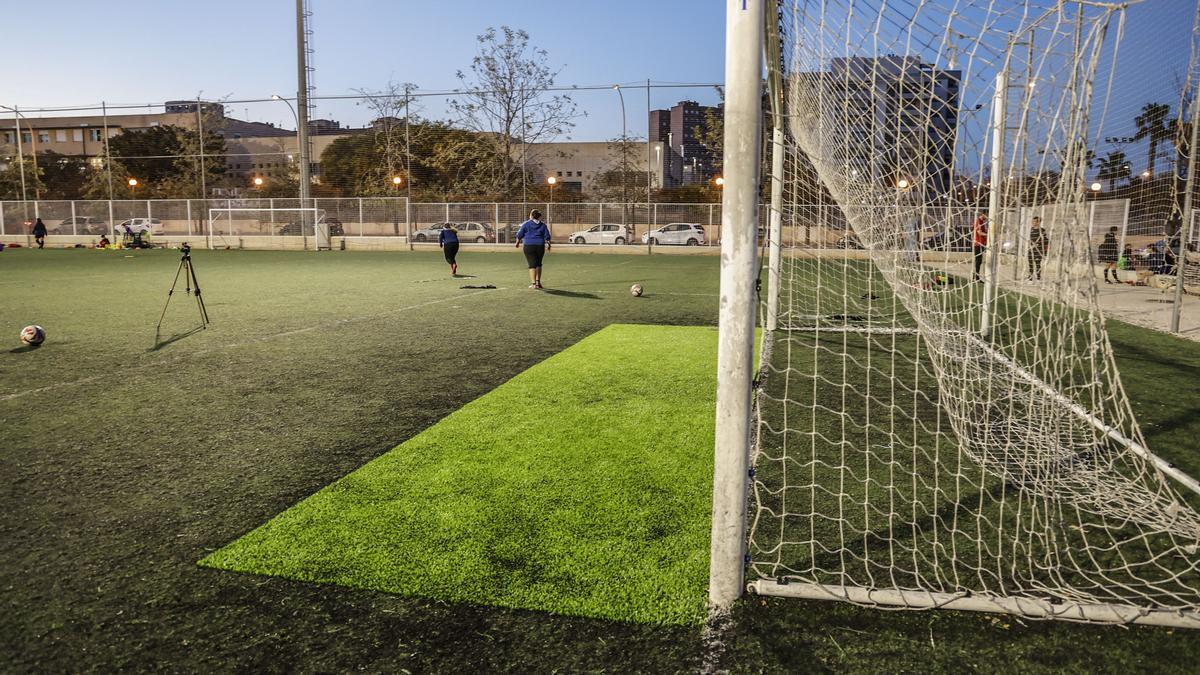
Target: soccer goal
(923,428)
(234,227)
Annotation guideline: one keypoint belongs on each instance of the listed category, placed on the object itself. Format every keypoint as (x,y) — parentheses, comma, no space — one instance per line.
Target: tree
(1114,167)
(507,104)
(1153,126)
(395,129)
(165,160)
(623,181)
(10,178)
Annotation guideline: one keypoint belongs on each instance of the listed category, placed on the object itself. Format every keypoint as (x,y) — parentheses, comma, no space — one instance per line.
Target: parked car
(472,231)
(604,233)
(140,225)
(678,234)
(294,229)
(81,225)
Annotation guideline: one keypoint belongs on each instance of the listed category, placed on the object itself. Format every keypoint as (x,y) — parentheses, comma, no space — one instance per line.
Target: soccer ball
(33,335)
(636,290)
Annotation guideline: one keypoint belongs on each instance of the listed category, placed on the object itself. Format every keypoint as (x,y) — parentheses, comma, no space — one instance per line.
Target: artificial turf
(123,465)
(580,486)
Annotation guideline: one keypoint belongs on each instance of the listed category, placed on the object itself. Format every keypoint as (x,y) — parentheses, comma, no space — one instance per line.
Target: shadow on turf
(159,344)
(570,294)
(24,348)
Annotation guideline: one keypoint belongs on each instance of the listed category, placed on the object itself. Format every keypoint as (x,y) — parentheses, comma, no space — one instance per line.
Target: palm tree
(1154,126)
(1114,167)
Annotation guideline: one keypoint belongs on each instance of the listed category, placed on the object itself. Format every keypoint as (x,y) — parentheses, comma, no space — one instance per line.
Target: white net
(942,423)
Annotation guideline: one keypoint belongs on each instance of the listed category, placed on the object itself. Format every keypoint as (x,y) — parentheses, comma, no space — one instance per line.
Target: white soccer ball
(33,335)
(636,290)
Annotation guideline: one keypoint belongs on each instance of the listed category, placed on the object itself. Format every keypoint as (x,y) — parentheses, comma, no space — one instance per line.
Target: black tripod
(189,284)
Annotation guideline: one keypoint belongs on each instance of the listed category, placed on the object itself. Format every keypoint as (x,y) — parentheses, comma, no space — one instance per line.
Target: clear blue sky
(132,51)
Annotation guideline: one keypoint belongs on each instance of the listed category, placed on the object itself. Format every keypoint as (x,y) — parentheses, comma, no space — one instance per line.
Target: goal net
(244,227)
(935,426)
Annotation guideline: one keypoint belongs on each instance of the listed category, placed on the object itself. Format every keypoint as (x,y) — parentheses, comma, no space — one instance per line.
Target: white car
(136,225)
(604,233)
(476,232)
(678,234)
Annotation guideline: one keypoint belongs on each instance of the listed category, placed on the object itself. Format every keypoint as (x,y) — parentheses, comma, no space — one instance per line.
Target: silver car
(677,234)
(604,233)
(476,232)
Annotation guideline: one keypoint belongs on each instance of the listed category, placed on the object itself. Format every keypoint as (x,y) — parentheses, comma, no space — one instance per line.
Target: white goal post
(227,227)
(925,429)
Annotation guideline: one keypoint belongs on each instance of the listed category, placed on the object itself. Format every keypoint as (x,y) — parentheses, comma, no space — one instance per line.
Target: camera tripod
(191,286)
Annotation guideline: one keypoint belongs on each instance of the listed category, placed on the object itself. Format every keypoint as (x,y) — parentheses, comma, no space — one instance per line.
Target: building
(690,161)
(253,149)
(582,166)
(896,117)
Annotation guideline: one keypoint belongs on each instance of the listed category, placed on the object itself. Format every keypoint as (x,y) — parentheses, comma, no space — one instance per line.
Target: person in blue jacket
(448,241)
(535,237)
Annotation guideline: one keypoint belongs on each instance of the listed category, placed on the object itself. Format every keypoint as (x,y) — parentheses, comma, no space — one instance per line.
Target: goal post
(739,225)
(913,438)
(228,227)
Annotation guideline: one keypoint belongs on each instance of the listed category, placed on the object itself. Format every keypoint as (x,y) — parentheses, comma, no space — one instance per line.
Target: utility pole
(302,119)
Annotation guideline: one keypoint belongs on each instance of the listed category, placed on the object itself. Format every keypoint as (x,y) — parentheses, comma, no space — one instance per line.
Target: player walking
(448,242)
(39,233)
(1108,252)
(979,232)
(535,236)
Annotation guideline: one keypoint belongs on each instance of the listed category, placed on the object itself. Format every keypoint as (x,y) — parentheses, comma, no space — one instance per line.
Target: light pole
(258,183)
(552,181)
(133,183)
(624,159)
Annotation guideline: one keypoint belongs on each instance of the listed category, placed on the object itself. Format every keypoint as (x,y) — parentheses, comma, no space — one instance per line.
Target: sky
(142,51)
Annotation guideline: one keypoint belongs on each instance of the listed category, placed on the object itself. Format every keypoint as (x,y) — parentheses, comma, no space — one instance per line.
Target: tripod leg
(171,292)
(199,300)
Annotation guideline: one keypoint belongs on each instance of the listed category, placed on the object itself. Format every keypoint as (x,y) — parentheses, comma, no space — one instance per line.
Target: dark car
(294,229)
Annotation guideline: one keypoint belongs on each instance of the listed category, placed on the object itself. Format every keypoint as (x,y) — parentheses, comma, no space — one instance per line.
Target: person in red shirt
(979,232)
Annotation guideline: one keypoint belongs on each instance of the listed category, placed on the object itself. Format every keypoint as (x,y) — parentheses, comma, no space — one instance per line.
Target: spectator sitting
(104,242)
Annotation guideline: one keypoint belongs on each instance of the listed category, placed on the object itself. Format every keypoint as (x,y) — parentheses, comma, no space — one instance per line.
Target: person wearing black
(535,236)
(448,241)
(39,233)
(1107,253)
(1039,244)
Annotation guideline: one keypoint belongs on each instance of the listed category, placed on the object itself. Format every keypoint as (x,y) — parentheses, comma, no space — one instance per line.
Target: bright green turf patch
(581,486)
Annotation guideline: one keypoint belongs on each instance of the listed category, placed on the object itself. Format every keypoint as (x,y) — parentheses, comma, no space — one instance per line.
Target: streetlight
(1096,187)
(902,184)
(133,183)
(719,182)
(258,181)
(552,181)
(624,158)
(397,180)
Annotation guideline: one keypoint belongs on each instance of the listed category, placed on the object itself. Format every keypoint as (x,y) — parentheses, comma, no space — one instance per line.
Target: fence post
(447,212)
(74,225)
(112,231)
(188,210)
(1,217)
(408,223)
(360,217)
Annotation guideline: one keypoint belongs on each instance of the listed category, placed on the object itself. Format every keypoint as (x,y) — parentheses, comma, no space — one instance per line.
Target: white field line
(287,333)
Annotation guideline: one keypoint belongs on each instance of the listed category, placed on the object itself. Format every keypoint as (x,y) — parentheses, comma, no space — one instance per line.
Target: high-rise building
(689,160)
(895,116)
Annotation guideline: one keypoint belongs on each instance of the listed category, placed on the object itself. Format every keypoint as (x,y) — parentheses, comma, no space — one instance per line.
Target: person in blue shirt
(448,242)
(535,237)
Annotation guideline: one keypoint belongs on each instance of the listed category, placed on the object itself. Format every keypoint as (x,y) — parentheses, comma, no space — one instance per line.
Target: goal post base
(1033,608)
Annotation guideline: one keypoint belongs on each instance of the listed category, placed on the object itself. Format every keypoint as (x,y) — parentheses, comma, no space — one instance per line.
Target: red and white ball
(33,335)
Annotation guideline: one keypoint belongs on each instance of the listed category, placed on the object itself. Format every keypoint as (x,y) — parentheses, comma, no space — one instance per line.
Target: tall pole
(200,135)
(999,120)
(302,118)
(408,170)
(20,153)
(624,160)
(649,161)
(1189,217)
(735,351)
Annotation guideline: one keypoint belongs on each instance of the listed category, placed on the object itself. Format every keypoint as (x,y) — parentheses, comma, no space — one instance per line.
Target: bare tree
(506,102)
(395,129)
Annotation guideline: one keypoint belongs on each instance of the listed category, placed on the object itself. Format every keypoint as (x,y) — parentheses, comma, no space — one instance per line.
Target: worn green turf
(579,487)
